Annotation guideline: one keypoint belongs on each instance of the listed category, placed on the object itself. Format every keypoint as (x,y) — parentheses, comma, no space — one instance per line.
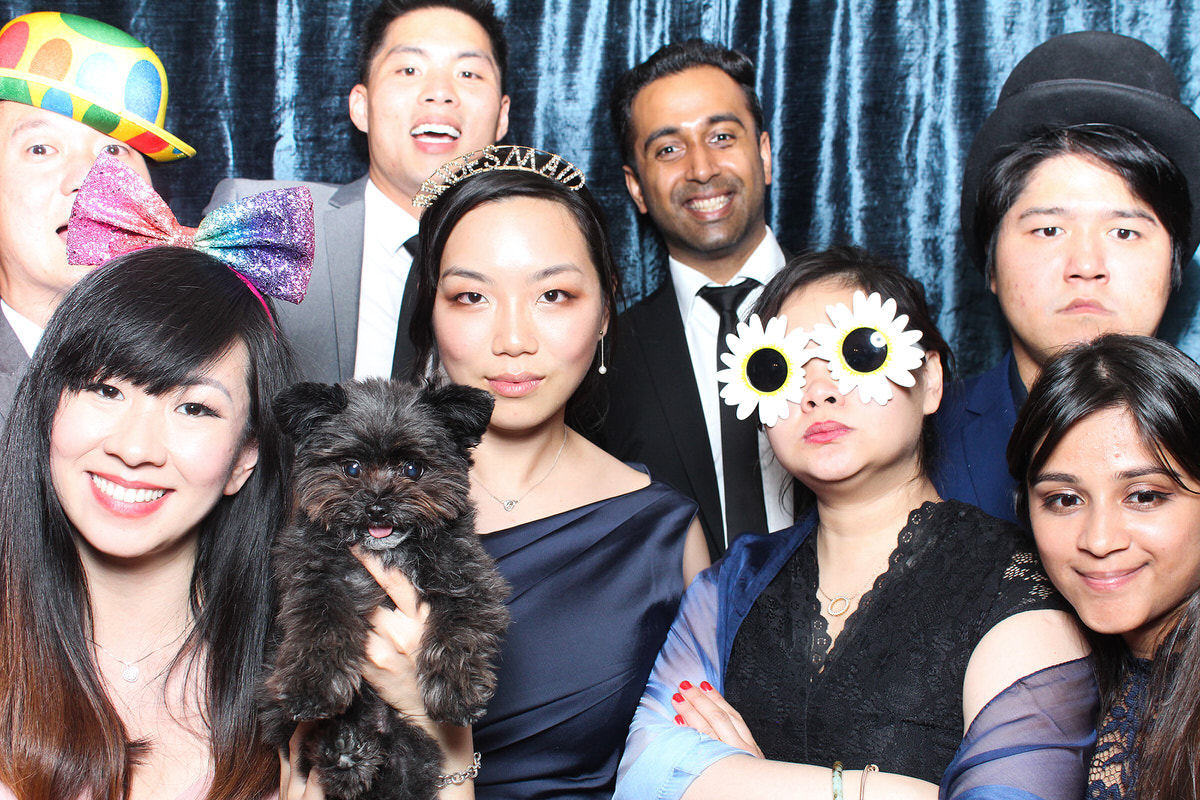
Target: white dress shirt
(28,333)
(385,266)
(701,323)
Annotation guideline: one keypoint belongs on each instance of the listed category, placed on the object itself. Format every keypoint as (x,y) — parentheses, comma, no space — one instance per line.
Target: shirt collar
(389,223)
(28,333)
(762,264)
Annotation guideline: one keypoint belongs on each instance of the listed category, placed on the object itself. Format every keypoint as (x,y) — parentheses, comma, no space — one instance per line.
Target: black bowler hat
(1077,78)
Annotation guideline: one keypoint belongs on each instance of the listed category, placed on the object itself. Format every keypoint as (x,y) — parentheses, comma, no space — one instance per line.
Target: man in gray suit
(52,126)
(430,89)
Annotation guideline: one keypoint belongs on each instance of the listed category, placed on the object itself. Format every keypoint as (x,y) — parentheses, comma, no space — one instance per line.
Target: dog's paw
(454,697)
(318,697)
(348,760)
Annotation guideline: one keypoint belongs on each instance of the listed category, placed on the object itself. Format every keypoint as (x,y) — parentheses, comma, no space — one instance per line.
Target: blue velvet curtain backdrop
(871,106)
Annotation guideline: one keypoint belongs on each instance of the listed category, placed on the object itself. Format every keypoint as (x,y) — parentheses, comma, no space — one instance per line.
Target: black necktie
(402,356)
(744,510)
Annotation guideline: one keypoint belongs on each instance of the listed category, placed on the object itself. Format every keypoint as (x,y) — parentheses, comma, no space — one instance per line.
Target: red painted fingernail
(678,720)
(678,698)
(684,685)
(705,686)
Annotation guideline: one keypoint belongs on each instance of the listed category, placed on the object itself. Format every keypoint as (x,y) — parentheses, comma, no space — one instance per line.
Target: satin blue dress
(594,592)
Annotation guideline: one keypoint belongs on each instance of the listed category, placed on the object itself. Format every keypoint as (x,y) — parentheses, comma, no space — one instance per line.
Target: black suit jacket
(654,412)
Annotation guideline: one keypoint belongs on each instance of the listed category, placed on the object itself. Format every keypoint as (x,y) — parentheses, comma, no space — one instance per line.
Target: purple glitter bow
(267,239)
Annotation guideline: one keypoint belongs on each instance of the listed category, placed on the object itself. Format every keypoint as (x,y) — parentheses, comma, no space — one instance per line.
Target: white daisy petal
(893,360)
(746,405)
(751,339)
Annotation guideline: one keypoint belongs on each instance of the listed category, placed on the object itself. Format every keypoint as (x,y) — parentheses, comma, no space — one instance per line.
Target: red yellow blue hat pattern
(93,73)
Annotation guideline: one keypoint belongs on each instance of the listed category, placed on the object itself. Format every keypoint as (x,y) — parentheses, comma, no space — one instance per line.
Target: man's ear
(360,109)
(634,187)
(502,119)
(764,152)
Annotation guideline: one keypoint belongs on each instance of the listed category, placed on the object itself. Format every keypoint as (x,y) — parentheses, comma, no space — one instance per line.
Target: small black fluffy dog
(382,465)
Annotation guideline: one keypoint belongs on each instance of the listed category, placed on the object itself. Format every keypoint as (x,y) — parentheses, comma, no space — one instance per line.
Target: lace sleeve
(661,758)
(1033,741)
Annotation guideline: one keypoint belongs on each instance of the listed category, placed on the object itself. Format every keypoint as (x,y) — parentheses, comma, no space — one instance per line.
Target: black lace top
(1114,766)
(890,691)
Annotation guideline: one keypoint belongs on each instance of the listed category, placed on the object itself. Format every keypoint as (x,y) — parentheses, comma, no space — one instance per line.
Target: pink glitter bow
(267,239)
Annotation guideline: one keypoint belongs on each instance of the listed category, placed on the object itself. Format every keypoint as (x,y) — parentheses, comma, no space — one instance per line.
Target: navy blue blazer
(973,426)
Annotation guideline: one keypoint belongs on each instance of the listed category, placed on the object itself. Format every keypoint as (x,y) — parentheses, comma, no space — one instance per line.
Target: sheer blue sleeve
(661,758)
(1033,741)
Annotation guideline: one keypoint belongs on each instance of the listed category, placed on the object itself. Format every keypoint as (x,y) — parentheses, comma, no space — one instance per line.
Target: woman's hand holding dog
(294,784)
(391,667)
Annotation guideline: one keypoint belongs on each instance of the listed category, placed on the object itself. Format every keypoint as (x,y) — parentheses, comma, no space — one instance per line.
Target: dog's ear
(302,406)
(464,411)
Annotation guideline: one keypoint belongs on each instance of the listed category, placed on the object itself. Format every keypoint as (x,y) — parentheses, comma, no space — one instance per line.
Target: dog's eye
(352,469)
(412,469)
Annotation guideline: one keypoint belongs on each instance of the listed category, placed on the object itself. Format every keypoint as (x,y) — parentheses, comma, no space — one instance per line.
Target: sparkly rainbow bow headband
(266,239)
(868,348)
(499,157)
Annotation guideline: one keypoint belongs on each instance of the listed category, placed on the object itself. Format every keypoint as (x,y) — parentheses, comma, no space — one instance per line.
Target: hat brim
(1169,125)
(138,133)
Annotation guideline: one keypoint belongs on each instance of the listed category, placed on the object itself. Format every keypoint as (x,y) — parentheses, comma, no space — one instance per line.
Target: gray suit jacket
(323,329)
(13,360)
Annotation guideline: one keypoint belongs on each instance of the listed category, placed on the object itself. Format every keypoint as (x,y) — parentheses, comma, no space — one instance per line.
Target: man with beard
(697,161)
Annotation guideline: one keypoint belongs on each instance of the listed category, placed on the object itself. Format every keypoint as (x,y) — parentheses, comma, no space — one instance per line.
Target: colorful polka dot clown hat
(93,73)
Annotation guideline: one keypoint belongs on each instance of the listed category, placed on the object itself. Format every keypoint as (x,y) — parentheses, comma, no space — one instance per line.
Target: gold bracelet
(862,781)
(458,778)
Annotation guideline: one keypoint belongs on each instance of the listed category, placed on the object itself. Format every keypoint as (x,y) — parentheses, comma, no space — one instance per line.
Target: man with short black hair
(431,88)
(1081,202)
(697,162)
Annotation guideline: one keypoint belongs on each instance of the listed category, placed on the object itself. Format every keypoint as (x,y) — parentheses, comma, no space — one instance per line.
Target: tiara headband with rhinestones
(496,157)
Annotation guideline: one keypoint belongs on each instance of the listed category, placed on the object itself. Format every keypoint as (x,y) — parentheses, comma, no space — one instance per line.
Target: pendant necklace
(841,603)
(132,672)
(508,505)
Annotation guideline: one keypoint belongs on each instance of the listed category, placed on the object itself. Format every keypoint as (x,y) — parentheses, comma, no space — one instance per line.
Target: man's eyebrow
(29,124)
(1115,213)
(415,49)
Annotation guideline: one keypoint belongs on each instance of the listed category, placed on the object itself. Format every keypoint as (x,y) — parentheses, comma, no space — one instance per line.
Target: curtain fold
(871,106)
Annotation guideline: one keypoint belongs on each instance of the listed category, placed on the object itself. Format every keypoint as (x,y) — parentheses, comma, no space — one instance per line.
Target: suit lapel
(13,361)
(664,347)
(343,223)
(989,420)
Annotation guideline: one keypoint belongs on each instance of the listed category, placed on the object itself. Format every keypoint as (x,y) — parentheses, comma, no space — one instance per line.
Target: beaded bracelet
(837,781)
(862,782)
(458,778)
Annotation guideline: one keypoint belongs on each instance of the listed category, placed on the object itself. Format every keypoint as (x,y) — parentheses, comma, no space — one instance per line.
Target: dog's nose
(376,512)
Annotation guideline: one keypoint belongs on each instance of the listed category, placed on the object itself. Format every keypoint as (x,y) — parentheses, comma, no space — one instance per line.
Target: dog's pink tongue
(379,533)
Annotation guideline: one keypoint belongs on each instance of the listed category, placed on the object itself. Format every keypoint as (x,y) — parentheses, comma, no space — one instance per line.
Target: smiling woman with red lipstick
(144,477)
(889,645)
(1105,453)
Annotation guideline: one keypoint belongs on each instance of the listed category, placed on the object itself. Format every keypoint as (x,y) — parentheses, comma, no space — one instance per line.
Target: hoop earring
(603,370)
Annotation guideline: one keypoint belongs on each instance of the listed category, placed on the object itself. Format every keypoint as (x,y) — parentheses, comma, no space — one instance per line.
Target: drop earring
(603,370)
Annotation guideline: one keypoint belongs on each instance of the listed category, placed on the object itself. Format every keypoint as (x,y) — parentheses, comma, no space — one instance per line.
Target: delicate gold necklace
(845,600)
(508,505)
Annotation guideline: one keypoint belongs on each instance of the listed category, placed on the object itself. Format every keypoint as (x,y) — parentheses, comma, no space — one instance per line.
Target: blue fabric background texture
(871,106)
